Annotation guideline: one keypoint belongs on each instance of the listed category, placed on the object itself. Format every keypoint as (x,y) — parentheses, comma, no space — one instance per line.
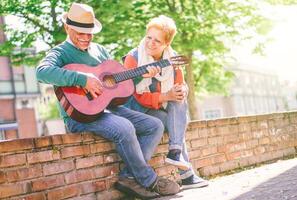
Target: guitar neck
(133,73)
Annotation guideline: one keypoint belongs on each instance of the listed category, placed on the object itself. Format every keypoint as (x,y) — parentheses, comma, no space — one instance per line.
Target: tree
(204,26)
(42,22)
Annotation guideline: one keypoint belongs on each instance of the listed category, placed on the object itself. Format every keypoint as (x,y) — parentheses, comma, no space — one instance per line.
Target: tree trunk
(191,84)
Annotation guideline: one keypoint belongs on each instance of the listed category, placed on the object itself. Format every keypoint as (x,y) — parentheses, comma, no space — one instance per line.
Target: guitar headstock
(177,61)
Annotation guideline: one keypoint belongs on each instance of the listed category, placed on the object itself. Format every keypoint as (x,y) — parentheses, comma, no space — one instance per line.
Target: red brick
(163,148)
(24,173)
(259,150)
(91,196)
(156,161)
(80,175)
(222,149)
(197,124)
(264,140)
(247,153)
(251,143)
(75,151)
(223,130)
(102,147)
(193,134)
(257,134)
(233,155)
(59,167)
(245,136)
(56,139)
(71,138)
(209,170)
(244,127)
(16,145)
(43,142)
(166,170)
(110,195)
(242,162)
(13,189)
(43,156)
(247,119)
(215,140)
(109,182)
(112,157)
(63,193)
(89,162)
(47,183)
(194,154)
(229,165)
(106,171)
(36,196)
(202,133)
(2,177)
(211,123)
(12,160)
(231,138)
(199,143)
(90,137)
(218,158)
(236,147)
(209,150)
(212,132)
(233,129)
(91,187)
(202,162)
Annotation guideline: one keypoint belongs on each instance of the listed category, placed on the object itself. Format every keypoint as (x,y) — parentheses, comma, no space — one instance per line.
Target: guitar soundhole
(109,81)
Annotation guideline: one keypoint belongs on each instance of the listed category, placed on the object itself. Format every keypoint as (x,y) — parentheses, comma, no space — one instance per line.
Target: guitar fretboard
(133,73)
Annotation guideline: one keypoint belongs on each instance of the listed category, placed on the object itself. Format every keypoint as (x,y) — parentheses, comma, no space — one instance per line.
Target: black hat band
(78,24)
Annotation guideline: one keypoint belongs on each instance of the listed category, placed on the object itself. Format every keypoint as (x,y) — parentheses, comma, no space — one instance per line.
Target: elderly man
(135,134)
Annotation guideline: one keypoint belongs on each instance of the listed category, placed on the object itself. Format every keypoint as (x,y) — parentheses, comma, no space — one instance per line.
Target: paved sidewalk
(276,181)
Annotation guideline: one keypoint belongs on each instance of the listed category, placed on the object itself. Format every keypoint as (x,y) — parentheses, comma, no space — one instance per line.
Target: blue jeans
(136,135)
(175,120)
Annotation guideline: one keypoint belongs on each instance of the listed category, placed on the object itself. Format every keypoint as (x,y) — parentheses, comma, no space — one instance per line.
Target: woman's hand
(177,93)
(152,71)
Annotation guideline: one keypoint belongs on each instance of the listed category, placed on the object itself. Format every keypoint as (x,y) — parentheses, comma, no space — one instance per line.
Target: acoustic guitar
(117,84)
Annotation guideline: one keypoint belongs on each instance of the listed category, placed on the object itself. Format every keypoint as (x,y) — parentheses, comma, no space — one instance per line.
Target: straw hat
(81,18)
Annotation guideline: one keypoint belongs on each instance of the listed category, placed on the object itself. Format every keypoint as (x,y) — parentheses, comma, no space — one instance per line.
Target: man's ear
(66,28)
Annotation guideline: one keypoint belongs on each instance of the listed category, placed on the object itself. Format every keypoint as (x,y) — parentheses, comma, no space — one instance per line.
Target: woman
(164,96)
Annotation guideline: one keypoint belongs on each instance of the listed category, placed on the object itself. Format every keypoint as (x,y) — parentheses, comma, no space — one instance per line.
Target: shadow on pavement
(281,187)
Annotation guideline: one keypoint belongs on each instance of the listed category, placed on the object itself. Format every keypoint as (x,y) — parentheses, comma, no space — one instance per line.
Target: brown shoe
(164,186)
(132,188)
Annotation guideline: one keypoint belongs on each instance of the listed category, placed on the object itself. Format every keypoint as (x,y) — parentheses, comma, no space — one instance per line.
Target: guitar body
(83,109)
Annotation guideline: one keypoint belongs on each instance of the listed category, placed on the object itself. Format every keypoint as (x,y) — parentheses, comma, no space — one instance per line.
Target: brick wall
(83,166)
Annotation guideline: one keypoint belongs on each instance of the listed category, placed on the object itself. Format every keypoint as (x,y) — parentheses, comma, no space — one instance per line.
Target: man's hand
(93,85)
(152,71)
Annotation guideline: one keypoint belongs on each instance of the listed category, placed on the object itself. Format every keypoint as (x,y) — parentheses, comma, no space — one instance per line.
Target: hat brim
(96,29)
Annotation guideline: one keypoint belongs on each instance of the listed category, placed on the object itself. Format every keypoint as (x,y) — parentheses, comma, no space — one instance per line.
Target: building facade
(18,93)
(252,92)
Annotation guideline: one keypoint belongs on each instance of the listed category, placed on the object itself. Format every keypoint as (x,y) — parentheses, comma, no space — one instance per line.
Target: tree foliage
(205,27)
(41,20)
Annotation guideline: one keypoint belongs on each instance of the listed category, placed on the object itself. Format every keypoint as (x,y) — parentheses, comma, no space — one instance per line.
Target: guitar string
(125,75)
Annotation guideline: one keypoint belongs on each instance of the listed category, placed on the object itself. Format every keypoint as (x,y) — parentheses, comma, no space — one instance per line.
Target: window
(212,114)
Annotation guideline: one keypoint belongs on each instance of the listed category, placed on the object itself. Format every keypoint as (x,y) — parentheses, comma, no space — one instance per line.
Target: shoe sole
(179,165)
(192,186)
(131,192)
